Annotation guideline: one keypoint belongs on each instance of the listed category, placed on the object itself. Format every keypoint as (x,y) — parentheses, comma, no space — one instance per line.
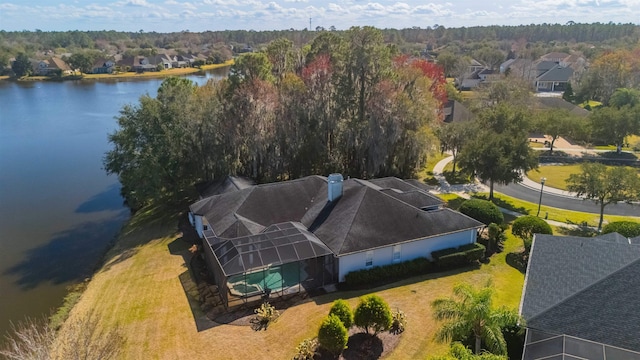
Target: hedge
(384,274)
(628,229)
(445,258)
(458,256)
(482,210)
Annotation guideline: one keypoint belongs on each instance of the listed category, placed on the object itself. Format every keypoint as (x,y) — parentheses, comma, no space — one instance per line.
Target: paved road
(527,193)
(562,202)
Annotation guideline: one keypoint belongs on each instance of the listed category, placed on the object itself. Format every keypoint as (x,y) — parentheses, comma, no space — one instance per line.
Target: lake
(59,211)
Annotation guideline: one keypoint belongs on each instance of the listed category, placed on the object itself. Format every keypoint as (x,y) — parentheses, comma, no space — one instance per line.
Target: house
(554,79)
(455,111)
(136,64)
(103,66)
(580,298)
(299,235)
(52,66)
(559,103)
(167,61)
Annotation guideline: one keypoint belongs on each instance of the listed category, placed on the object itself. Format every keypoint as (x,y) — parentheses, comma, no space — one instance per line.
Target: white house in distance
(302,234)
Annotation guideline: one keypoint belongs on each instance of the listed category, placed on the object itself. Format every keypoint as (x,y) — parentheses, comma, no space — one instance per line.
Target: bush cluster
(459,256)
(482,210)
(388,273)
(628,229)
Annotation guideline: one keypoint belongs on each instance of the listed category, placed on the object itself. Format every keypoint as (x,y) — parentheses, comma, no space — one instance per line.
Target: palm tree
(470,313)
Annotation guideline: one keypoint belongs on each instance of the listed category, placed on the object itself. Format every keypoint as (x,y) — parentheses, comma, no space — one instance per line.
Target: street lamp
(542,180)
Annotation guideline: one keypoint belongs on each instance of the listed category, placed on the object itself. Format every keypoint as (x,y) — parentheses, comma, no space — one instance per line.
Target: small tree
(605,185)
(333,335)
(525,226)
(373,313)
(482,210)
(470,313)
(495,237)
(22,65)
(627,229)
(341,309)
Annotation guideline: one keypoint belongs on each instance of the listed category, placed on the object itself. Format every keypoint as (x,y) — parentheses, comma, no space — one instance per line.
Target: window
(205,227)
(396,252)
(369,259)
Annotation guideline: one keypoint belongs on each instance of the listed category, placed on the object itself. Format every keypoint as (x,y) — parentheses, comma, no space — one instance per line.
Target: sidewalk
(445,187)
(463,190)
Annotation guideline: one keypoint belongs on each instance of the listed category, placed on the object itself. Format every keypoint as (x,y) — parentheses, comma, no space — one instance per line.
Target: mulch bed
(362,346)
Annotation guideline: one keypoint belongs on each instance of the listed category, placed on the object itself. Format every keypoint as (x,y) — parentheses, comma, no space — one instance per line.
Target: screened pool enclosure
(283,259)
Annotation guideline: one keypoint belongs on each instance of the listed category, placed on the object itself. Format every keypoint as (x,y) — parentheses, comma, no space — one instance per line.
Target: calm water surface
(58,208)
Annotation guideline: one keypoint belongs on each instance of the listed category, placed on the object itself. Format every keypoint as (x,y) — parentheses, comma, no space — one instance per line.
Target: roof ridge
(587,287)
(355,213)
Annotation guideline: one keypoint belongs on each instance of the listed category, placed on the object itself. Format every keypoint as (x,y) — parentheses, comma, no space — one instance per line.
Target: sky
(203,15)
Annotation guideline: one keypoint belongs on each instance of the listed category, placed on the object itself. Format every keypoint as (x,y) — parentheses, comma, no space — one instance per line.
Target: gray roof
(558,73)
(584,287)
(369,214)
(559,103)
(455,111)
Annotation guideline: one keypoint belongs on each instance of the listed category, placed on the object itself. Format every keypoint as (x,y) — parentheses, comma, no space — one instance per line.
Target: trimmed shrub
(373,313)
(482,210)
(306,350)
(627,229)
(525,226)
(388,273)
(341,309)
(399,322)
(459,256)
(333,335)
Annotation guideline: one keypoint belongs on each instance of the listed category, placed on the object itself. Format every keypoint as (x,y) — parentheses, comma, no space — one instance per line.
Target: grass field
(555,214)
(555,175)
(139,290)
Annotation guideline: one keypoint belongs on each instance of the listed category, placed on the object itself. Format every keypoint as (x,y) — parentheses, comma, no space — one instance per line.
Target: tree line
(343,103)
(409,39)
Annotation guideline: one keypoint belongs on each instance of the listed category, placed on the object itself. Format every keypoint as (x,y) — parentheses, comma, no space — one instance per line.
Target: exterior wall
(192,219)
(408,251)
(198,225)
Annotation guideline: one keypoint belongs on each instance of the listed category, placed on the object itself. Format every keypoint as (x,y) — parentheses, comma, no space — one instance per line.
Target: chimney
(334,186)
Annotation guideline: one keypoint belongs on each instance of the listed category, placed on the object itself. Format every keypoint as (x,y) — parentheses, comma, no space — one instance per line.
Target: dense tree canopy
(361,110)
(499,150)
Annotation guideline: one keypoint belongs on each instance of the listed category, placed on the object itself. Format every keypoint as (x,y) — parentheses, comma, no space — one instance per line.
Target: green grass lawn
(555,175)
(561,215)
(534,144)
(139,290)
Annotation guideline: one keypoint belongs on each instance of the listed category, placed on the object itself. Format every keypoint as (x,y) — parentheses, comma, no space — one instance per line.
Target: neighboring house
(554,79)
(475,65)
(580,298)
(166,60)
(52,65)
(136,64)
(103,66)
(488,75)
(559,103)
(456,112)
(555,57)
(303,234)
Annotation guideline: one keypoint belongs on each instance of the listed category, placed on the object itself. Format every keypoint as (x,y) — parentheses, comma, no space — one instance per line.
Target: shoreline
(125,75)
